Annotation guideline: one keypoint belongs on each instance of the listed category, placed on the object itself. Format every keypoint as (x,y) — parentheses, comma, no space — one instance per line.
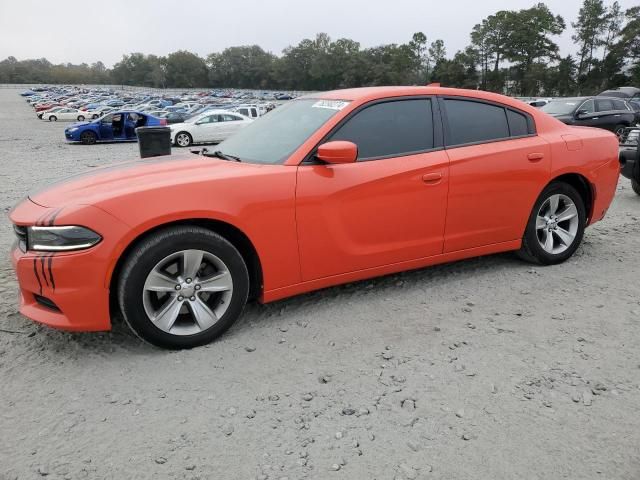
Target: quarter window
(390,129)
(518,124)
(474,122)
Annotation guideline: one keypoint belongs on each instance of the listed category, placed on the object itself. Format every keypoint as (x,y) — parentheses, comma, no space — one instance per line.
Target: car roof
(365,94)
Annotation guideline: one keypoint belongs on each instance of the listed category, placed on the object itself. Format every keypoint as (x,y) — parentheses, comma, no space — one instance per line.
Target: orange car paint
(313,226)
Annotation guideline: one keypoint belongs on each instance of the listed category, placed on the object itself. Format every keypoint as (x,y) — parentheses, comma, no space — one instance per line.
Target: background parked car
(65,114)
(603,112)
(622,92)
(113,127)
(210,127)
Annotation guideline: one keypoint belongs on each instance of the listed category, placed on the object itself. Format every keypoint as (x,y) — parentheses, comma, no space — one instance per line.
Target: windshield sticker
(331,104)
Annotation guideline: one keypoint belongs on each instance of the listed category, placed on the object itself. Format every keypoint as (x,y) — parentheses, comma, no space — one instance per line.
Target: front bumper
(628,160)
(67,290)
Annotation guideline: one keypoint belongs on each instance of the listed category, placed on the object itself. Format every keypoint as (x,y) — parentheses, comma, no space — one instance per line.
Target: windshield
(272,138)
(562,107)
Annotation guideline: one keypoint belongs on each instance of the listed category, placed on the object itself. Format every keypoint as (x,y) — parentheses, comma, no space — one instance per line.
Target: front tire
(183,139)
(81,118)
(88,138)
(182,287)
(635,184)
(619,130)
(556,226)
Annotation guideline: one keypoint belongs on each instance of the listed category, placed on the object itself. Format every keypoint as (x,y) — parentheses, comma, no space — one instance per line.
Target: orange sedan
(328,189)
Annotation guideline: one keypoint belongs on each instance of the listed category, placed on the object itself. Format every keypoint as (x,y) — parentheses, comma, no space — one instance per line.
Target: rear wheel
(183,287)
(53,118)
(556,226)
(81,118)
(635,184)
(183,139)
(619,130)
(88,138)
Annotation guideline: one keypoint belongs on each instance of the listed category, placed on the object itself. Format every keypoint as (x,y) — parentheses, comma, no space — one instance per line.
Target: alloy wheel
(187,292)
(557,224)
(183,140)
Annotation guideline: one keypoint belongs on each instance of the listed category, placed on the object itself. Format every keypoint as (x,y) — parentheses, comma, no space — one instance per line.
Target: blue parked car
(114,127)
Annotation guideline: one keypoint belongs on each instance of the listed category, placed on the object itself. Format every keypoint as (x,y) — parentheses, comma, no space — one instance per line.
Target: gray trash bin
(154,141)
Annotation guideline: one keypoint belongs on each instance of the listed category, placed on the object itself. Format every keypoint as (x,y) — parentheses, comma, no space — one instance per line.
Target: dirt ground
(484,369)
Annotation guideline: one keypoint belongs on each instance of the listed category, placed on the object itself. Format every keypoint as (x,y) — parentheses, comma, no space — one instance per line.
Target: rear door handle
(535,157)
(432,178)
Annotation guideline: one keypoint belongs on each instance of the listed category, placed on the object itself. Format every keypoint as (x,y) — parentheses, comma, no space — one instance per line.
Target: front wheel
(619,130)
(556,225)
(635,184)
(183,287)
(81,118)
(88,138)
(183,139)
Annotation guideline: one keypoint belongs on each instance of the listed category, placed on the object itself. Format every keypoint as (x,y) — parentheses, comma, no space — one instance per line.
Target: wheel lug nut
(198,287)
(180,298)
(178,287)
(188,280)
(192,298)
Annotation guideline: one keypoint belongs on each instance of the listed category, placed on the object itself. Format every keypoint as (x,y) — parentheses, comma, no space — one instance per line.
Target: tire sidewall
(531,237)
(147,255)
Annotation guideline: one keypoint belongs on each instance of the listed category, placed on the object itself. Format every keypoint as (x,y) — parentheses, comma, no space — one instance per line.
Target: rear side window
(604,105)
(473,122)
(518,124)
(390,129)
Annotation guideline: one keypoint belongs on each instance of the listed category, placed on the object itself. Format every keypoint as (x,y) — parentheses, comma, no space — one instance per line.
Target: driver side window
(391,128)
(588,107)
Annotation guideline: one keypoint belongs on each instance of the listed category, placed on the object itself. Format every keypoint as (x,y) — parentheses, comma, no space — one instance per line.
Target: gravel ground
(484,369)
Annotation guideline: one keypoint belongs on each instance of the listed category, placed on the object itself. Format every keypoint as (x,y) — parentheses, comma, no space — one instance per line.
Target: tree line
(511,51)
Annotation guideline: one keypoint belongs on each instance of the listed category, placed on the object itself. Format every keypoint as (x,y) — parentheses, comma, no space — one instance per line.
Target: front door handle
(535,157)
(432,178)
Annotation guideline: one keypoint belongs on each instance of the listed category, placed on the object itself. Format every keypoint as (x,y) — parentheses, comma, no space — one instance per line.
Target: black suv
(630,157)
(610,113)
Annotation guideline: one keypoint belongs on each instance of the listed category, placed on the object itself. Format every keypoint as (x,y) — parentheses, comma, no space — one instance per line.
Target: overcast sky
(88,30)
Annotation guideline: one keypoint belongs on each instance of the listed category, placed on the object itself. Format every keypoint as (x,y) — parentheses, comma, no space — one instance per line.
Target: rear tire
(635,184)
(556,226)
(53,118)
(81,118)
(182,287)
(88,138)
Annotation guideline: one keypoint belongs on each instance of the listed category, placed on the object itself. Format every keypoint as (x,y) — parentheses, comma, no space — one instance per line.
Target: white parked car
(51,110)
(251,111)
(66,114)
(211,127)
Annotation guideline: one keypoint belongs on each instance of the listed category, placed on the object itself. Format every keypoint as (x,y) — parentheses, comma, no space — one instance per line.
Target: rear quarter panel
(592,153)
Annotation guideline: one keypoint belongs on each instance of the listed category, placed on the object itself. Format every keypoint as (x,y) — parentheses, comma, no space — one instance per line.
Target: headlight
(61,239)
(71,130)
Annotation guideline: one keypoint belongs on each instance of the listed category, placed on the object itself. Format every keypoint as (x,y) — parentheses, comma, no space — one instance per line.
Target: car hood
(77,124)
(120,180)
(562,117)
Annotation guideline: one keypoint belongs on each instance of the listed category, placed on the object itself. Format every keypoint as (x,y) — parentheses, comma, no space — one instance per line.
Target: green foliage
(511,51)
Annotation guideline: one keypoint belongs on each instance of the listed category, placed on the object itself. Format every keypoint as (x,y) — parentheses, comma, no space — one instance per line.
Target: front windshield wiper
(219,154)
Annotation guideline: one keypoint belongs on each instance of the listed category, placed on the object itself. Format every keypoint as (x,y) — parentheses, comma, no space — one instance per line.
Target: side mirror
(581,113)
(337,152)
